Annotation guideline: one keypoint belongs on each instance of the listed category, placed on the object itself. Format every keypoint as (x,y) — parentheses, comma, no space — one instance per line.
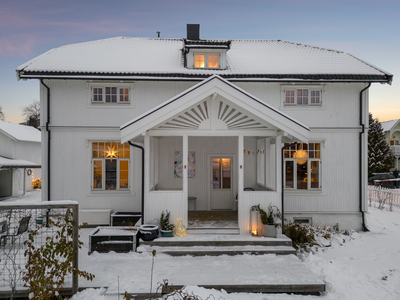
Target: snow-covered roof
(124,57)
(388,125)
(20,132)
(17,163)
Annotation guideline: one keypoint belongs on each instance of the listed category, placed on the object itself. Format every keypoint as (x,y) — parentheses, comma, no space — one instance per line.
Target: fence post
(75,214)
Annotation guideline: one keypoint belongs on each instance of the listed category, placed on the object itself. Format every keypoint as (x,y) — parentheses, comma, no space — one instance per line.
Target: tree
(2,116)
(32,114)
(380,157)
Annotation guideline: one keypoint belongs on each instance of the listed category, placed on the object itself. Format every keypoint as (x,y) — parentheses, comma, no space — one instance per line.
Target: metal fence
(384,196)
(16,221)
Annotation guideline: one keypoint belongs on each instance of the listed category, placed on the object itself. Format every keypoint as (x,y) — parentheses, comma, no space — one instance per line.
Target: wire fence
(383,196)
(16,222)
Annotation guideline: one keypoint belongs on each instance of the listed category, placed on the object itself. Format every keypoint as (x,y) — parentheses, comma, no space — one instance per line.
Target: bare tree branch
(31,112)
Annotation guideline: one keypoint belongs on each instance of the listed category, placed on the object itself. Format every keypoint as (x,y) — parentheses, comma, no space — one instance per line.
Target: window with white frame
(110,166)
(303,96)
(206,60)
(110,94)
(303,166)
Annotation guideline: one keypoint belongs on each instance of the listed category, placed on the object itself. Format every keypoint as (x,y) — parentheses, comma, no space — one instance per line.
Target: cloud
(16,47)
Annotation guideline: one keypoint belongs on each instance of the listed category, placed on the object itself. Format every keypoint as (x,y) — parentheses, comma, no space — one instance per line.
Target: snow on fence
(383,196)
(17,220)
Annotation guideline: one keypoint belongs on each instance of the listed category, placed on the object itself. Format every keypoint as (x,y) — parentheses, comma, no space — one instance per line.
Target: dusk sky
(370,30)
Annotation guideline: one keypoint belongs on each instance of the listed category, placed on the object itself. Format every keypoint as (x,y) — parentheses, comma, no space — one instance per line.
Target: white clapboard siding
(175,202)
(249,199)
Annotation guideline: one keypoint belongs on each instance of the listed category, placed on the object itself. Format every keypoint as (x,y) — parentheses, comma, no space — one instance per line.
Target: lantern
(255,221)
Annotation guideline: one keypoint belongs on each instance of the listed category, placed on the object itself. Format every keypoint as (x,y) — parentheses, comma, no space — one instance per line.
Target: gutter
(282,180)
(141,148)
(364,227)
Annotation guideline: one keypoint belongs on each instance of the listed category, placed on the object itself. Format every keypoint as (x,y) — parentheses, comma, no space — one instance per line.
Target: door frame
(234,177)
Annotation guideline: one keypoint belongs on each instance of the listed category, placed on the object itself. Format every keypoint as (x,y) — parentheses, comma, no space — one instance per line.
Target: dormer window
(206,61)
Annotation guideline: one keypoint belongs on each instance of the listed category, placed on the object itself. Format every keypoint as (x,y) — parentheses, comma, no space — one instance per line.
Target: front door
(221,182)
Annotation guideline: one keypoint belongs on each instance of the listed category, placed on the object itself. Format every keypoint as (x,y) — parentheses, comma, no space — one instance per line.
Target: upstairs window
(110,94)
(206,61)
(302,96)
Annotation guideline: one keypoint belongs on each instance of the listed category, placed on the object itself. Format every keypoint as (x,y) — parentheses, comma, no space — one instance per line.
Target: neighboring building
(229,105)
(20,158)
(392,135)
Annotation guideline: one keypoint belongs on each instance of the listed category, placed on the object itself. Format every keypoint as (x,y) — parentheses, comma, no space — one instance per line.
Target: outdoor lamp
(255,221)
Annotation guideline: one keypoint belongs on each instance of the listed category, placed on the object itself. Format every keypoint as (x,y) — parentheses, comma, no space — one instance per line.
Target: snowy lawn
(364,265)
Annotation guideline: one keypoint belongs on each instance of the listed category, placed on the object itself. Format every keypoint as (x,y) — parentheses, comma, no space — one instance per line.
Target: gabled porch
(212,144)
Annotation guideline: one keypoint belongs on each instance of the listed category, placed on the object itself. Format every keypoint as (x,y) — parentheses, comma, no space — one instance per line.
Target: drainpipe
(141,148)
(48,148)
(282,180)
(48,138)
(360,157)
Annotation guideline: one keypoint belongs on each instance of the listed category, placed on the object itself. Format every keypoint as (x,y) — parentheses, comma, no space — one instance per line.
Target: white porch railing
(176,202)
(249,199)
(383,196)
(395,150)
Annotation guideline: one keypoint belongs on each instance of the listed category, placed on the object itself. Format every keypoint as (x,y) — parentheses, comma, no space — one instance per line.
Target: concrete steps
(214,245)
(206,230)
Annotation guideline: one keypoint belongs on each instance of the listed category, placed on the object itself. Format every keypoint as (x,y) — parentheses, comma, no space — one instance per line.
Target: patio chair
(23,227)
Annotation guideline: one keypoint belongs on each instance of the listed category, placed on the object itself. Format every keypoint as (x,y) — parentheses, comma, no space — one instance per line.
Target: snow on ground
(364,265)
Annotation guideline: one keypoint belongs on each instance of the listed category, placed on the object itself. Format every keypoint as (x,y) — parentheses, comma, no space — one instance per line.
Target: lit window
(302,97)
(199,60)
(303,166)
(210,61)
(213,61)
(110,94)
(110,166)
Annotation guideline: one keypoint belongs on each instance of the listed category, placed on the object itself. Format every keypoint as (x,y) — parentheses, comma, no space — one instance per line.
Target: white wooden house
(20,158)
(392,135)
(212,117)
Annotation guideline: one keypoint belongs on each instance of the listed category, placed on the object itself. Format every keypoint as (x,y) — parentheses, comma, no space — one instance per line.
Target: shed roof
(124,57)
(20,132)
(6,163)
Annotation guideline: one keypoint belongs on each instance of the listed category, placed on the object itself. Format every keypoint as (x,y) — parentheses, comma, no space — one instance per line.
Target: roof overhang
(215,106)
(6,163)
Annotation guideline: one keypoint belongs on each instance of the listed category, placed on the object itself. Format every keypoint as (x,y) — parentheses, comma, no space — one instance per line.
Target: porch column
(185,151)
(240,162)
(278,163)
(146,172)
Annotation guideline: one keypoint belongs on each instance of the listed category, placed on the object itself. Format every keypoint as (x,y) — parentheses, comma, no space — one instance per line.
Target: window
(302,96)
(110,166)
(210,61)
(303,166)
(110,94)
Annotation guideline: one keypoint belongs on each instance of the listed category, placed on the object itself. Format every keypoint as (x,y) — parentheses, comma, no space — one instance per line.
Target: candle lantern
(255,221)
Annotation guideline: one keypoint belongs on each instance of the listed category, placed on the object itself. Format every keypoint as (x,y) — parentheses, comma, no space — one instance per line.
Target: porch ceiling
(214,106)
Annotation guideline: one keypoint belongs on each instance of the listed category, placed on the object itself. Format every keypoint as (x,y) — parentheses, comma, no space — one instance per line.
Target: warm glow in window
(199,60)
(110,166)
(302,166)
(213,61)
(123,95)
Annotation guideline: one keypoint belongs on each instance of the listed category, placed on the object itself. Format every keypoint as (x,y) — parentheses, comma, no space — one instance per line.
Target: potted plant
(166,227)
(270,220)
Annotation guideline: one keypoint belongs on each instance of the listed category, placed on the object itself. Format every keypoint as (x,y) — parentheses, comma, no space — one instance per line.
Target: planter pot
(167,233)
(270,231)
(148,232)
(39,220)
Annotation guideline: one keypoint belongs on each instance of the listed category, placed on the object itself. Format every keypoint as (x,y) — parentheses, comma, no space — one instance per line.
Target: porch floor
(213,219)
